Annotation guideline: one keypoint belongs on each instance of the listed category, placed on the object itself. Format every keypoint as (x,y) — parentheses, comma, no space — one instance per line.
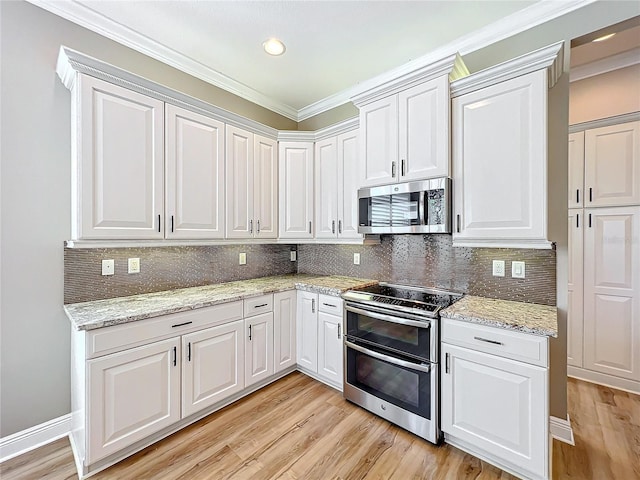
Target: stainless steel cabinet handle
(393,169)
(171,223)
(175,356)
(258,230)
(339,327)
(329,305)
(313,305)
(577,195)
(458,223)
(339,226)
(387,358)
(261,305)
(189,351)
(180,324)
(309,227)
(577,220)
(250,226)
(158,223)
(402,168)
(249,332)
(333,226)
(494,342)
(590,194)
(446,363)
(589,220)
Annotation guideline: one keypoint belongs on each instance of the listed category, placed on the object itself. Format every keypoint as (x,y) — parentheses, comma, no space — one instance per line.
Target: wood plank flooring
(298,429)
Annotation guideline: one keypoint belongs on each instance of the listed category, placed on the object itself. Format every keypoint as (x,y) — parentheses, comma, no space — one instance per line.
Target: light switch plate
(517,269)
(356,259)
(293,255)
(133,265)
(108,267)
(242,259)
(498,268)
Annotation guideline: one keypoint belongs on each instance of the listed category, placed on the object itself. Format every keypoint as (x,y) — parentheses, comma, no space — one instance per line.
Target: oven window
(406,339)
(405,388)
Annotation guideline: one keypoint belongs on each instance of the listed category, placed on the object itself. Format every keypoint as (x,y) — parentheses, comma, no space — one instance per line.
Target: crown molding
(71,63)
(605,122)
(536,14)
(605,65)
(338,128)
(296,136)
(550,58)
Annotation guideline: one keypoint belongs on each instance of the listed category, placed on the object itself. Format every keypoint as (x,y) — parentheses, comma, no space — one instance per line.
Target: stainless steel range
(391,353)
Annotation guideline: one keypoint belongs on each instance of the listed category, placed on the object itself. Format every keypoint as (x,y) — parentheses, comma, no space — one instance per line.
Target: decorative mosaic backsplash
(430,260)
(167,268)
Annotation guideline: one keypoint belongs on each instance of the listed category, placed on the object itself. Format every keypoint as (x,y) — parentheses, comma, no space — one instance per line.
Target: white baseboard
(624,384)
(560,429)
(34,437)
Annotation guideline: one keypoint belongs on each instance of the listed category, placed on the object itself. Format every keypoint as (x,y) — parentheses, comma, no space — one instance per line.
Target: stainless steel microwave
(412,207)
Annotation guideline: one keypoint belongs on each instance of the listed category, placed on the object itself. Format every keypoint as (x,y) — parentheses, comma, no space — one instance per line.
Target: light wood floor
(298,428)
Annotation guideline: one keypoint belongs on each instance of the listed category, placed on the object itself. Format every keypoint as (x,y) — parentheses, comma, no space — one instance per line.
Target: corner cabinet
(296,190)
(495,396)
(500,164)
(404,126)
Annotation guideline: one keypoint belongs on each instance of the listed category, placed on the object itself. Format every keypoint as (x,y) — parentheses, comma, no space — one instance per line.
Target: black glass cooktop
(424,301)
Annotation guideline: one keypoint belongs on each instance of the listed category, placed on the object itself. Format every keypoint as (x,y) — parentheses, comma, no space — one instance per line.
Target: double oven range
(391,350)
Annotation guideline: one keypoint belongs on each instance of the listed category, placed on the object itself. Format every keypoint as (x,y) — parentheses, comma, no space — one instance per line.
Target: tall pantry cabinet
(604,254)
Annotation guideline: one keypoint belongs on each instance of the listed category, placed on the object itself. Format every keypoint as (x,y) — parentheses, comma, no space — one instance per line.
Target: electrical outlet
(108,267)
(293,255)
(134,265)
(242,259)
(517,269)
(356,259)
(498,268)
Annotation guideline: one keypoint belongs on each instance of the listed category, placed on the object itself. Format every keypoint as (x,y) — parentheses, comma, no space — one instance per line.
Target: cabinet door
(132,394)
(194,175)
(296,189)
(497,405)
(348,174)
(423,132)
(259,348)
(330,354)
(239,183)
(118,177)
(379,142)
(612,165)
(326,188)
(576,169)
(284,330)
(213,366)
(612,291)
(575,288)
(500,161)
(265,184)
(307,330)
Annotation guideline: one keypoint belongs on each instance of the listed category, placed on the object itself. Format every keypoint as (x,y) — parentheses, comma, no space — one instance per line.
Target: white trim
(34,437)
(605,122)
(609,64)
(598,378)
(536,14)
(561,430)
(502,243)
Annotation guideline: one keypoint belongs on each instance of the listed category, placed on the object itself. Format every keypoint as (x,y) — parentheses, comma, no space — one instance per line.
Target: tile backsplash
(431,260)
(428,260)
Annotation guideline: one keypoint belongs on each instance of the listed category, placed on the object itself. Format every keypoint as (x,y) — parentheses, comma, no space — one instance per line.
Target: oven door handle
(389,318)
(388,358)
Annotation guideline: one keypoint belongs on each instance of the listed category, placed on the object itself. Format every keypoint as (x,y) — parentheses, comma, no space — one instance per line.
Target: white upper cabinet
(336,173)
(296,190)
(265,187)
(612,165)
(404,125)
(576,170)
(118,168)
(424,130)
(500,154)
(194,175)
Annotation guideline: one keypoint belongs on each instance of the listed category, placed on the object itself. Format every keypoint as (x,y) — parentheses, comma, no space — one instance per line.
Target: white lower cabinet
(307,331)
(284,330)
(330,356)
(493,406)
(259,343)
(213,366)
(132,394)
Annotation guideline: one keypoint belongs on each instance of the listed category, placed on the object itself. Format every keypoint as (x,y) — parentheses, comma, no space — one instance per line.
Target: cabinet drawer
(257,305)
(330,304)
(119,337)
(519,346)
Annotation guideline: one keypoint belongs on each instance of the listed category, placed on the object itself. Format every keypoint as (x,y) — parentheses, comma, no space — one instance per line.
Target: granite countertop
(520,316)
(115,311)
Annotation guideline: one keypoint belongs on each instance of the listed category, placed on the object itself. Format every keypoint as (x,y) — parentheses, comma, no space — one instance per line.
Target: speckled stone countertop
(523,317)
(115,311)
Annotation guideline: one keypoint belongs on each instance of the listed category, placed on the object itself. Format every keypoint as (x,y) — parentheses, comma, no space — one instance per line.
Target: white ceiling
(333,47)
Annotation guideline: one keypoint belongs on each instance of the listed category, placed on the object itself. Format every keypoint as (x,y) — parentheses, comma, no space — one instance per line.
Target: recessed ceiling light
(603,38)
(274,47)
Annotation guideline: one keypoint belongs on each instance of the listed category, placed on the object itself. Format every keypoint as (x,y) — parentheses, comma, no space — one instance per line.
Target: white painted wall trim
(605,122)
(598,378)
(561,430)
(605,65)
(80,14)
(34,437)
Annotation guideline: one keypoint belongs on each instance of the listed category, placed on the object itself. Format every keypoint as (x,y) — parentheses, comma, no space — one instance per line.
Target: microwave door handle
(389,359)
(388,318)
(422,212)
